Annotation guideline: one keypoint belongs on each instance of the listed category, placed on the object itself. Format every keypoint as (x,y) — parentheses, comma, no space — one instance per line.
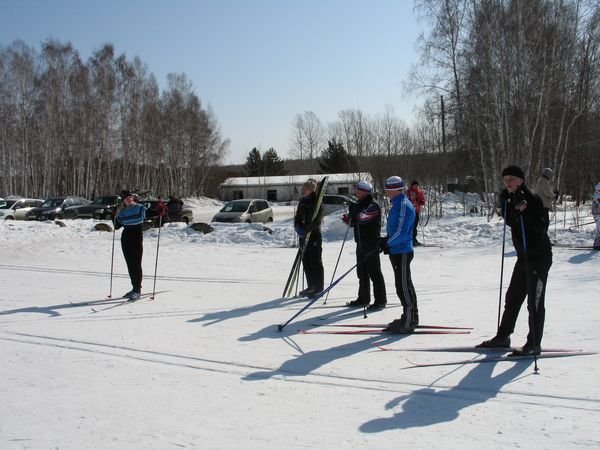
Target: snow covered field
(203,365)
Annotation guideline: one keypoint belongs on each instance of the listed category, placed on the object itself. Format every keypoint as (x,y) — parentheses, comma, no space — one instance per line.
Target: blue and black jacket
(400,224)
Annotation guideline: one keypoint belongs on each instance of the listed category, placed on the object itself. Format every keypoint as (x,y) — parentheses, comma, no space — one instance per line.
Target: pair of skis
(380,328)
(113,303)
(492,355)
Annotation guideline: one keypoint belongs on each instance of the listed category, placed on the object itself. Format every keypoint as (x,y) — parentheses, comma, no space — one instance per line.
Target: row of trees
(505,81)
(74,127)
(521,84)
(382,144)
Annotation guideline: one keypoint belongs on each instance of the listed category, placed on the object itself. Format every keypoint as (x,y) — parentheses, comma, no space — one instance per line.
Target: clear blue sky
(257,63)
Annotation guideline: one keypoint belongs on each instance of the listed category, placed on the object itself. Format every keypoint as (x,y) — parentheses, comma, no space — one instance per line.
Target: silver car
(245,210)
(16,209)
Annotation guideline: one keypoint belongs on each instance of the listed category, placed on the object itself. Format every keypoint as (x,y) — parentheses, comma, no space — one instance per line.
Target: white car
(15,209)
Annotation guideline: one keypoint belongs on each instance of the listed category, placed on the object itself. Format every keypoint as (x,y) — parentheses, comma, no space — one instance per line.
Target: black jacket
(535,222)
(303,220)
(365,218)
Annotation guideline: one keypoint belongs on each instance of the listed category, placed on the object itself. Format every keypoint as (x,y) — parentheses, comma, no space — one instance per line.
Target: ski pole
(338,261)
(156,261)
(502,265)
(322,293)
(534,312)
(112,257)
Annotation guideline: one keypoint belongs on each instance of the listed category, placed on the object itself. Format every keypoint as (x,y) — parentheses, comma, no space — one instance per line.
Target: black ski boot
(495,342)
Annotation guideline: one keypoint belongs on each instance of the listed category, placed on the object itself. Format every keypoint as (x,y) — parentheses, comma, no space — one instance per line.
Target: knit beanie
(364,186)
(394,183)
(514,171)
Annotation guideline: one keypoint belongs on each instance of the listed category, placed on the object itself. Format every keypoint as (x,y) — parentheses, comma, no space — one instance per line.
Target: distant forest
(91,127)
(504,82)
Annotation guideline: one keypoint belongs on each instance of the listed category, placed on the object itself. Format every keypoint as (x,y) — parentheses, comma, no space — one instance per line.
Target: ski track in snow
(202,365)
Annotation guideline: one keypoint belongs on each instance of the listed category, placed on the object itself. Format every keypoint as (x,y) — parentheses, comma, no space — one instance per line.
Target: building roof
(295,180)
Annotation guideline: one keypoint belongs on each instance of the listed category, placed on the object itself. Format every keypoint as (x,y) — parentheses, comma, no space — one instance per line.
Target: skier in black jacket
(524,211)
(303,224)
(365,218)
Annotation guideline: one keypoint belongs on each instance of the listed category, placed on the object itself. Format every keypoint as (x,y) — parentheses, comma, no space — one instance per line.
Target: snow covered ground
(203,365)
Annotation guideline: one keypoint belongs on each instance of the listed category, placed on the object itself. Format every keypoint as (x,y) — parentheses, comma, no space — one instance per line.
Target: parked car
(104,207)
(245,210)
(151,205)
(336,202)
(16,209)
(57,208)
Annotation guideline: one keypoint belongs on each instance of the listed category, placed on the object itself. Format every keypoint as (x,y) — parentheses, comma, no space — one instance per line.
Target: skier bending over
(524,212)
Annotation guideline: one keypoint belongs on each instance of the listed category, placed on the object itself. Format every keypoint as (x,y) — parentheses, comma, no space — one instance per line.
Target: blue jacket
(400,224)
(133,215)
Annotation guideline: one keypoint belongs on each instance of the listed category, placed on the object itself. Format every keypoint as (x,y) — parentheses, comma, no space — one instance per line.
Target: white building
(285,188)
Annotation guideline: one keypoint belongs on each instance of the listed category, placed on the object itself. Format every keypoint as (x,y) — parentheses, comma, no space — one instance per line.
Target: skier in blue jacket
(131,219)
(399,244)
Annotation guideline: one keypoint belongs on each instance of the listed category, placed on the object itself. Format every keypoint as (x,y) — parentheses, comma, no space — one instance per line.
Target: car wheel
(248,221)
(186,220)
(10,218)
(58,217)
(270,219)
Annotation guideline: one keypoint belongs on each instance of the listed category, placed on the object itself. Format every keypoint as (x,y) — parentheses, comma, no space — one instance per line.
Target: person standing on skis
(365,218)
(399,245)
(524,214)
(131,219)
(303,224)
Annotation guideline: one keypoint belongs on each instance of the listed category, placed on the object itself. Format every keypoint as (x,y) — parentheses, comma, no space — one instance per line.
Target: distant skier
(365,218)
(544,189)
(303,224)
(524,209)
(596,214)
(131,219)
(162,211)
(417,198)
(399,245)
(174,206)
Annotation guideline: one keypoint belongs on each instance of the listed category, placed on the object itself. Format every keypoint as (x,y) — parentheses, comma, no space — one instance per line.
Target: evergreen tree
(335,159)
(253,164)
(272,164)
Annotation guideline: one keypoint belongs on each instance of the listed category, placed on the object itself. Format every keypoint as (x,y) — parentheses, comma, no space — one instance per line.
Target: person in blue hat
(399,245)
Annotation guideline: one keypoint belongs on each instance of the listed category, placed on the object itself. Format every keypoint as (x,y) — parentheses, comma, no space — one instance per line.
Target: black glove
(383,245)
(518,201)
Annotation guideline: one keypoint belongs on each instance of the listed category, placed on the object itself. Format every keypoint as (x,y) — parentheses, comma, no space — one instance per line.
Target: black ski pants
(415,227)
(368,269)
(132,244)
(405,288)
(528,280)
(313,264)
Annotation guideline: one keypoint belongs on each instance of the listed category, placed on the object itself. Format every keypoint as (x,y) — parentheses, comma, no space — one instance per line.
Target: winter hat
(126,194)
(311,184)
(394,184)
(414,182)
(547,172)
(364,186)
(514,171)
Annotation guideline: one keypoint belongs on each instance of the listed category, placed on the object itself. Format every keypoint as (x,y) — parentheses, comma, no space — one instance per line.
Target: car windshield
(7,204)
(104,200)
(235,207)
(52,202)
